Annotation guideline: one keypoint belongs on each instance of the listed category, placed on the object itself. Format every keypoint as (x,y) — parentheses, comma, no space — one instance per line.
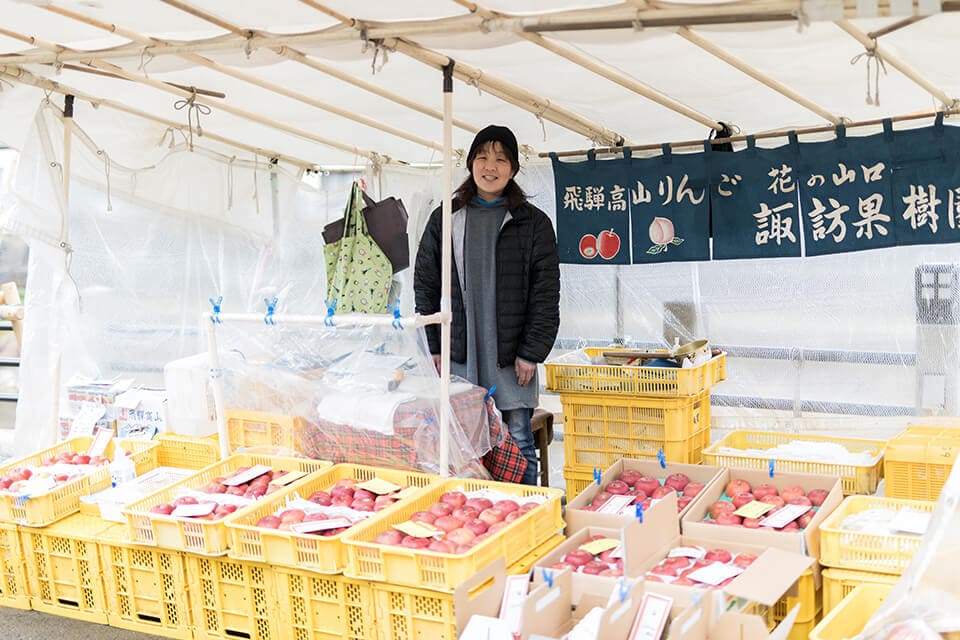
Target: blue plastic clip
(215,317)
(490,393)
(331,307)
(271,307)
(638,510)
(771,467)
(662,458)
(623,589)
(21,499)
(597,474)
(547,576)
(396,316)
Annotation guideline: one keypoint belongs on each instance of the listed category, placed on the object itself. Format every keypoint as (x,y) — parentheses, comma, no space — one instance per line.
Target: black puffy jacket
(528,288)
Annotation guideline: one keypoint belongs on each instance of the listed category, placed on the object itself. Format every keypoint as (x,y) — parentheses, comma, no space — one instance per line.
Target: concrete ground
(33,625)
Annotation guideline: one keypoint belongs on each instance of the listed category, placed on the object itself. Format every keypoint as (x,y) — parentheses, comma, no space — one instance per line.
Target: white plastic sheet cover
(366,395)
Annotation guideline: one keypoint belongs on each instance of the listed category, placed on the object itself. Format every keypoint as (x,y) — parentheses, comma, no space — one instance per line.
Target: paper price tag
(754,509)
(287,478)
(194,510)
(617,553)
(652,617)
(715,573)
(418,529)
(687,552)
(909,521)
(86,419)
(406,492)
(379,486)
(514,595)
(785,515)
(320,525)
(99,444)
(246,476)
(615,503)
(597,547)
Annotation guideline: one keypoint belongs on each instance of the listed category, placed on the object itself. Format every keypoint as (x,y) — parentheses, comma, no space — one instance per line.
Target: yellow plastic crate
(848,618)
(13,574)
(576,482)
(187,452)
(524,564)
(808,597)
(599,430)
(233,599)
(918,461)
(146,588)
(201,536)
(634,381)
(64,500)
(838,583)
(868,551)
(324,607)
(63,568)
(443,571)
(853,478)
(248,429)
(301,550)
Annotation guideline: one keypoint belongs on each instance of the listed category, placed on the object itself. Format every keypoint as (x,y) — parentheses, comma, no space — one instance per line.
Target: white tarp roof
(808,56)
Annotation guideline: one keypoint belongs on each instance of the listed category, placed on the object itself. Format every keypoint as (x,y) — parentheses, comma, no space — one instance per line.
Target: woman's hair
(467,191)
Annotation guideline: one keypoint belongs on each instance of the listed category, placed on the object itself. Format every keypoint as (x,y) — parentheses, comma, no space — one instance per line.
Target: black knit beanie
(495,133)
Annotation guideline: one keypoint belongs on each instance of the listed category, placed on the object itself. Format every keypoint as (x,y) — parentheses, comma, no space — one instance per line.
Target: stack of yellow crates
(612,412)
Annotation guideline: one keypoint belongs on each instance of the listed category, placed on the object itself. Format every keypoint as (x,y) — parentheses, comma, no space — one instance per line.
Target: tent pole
(65,246)
(216,384)
(756,74)
(446,263)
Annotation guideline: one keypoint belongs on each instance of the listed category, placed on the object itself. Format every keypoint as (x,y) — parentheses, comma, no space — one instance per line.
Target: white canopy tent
(303,84)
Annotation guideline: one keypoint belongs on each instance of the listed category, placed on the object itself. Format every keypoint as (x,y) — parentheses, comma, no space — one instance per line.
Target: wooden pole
(446,261)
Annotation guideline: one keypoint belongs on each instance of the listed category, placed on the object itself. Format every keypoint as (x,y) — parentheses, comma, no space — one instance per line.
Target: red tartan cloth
(415,442)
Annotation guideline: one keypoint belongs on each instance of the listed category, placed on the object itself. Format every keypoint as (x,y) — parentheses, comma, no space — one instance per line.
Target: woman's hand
(436,363)
(525,371)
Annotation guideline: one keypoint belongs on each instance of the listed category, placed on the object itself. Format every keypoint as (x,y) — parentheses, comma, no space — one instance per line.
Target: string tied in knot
(871,53)
(194,111)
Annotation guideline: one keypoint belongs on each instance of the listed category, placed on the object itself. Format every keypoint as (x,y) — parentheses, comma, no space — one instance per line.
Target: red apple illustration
(588,246)
(608,244)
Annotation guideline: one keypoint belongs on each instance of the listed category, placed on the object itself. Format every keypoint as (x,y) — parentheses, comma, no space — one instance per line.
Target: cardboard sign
(687,552)
(406,492)
(715,573)
(287,478)
(99,444)
(246,476)
(785,515)
(597,547)
(320,525)
(418,529)
(194,510)
(514,595)
(754,509)
(652,617)
(614,504)
(379,486)
(86,419)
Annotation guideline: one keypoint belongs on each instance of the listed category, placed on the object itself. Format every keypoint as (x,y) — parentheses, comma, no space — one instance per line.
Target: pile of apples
(344,493)
(739,492)
(15,479)
(582,561)
(462,523)
(253,490)
(645,489)
(676,570)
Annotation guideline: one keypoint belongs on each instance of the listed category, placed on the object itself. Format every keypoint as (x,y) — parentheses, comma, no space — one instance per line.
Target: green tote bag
(358,271)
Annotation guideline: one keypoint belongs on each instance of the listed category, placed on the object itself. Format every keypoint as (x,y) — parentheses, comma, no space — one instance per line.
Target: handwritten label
(652,617)
(687,552)
(320,525)
(715,573)
(99,444)
(909,521)
(754,509)
(514,595)
(615,503)
(596,547)
(86,419)
(246,476)
(287,478)
(194,510)
(379,486)
(418,529)
(785,515)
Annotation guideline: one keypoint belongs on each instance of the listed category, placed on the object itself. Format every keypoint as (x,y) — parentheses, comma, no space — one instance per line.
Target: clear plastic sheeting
(362,394)
(925,603)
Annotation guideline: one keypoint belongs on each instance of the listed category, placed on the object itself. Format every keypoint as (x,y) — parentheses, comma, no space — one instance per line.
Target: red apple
(630,476)
(594,567)
(513,515)
(661,492)
(461,536)
(477,526)
(817,496)
(613,573)
(800,500)
(804,521)
(790,526)
(677,481)
(578,557)
(721,506)
(423,516)
(454,498)
(478,503)
(600,498)
(416,543)
(588,246)
(647,484)
(608,244)
(496,526)
(507,506)
(751,523)
(618,487)
(346,482)
(441,509)
(718,555)
(443,546)
(292,516)
(744,560)
(363,494)
(791,492)
(728,518)
(741,499)
(737,486)
(164,508)
(184,500)
(466,514)
(390,536)
(269,522)
(663,570)
(447,523)
(492,515)
(684,582)
(776,501)
(693,489)
(682,502)
(560,566)
(316,516)
(764,490)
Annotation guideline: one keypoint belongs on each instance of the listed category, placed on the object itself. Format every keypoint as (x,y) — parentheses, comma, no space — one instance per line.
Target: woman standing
(505,285)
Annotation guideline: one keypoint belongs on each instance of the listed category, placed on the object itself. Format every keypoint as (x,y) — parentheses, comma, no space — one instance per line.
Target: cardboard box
(551,611)
(578,518)
(806,541)
(141,412)
(709,619)
(81,391)
(630,535)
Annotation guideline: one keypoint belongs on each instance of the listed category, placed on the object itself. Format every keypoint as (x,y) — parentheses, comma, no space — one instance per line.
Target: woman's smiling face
(491,170)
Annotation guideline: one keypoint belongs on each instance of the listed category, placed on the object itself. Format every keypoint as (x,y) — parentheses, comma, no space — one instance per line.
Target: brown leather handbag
(387,225)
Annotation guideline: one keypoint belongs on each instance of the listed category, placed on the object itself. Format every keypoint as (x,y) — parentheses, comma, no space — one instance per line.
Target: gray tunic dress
(477,267)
